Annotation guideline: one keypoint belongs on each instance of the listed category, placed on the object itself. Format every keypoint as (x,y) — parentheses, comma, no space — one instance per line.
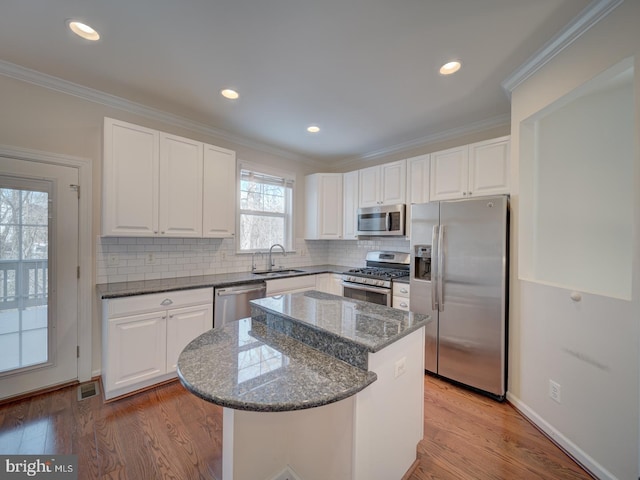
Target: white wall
(590,347)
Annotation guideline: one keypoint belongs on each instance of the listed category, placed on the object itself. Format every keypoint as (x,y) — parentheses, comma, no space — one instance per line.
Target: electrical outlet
(400,367)
(113,260)
(150,258)
(554,391)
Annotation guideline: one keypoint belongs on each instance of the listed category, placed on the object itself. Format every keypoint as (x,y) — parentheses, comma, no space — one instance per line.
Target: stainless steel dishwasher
(232,303)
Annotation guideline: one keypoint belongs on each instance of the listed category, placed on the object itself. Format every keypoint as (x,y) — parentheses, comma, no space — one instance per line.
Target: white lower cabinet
(183,325)
(329,283)
(279,286)
(143,336)
(400,298)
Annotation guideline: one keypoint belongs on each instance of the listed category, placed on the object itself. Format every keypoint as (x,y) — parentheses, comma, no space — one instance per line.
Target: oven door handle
(366,288)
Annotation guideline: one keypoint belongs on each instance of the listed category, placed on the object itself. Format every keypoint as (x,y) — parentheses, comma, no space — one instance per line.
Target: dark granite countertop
(127,289)
(248,366)
(343,324)
(298,351)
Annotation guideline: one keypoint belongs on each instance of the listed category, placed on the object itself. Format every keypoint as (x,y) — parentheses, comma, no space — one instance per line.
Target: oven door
(367,293)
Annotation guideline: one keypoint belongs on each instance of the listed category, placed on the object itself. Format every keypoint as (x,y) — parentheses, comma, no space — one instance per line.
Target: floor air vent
(88,390)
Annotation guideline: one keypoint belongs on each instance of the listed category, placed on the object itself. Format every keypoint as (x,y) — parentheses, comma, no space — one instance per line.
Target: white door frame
(85,245)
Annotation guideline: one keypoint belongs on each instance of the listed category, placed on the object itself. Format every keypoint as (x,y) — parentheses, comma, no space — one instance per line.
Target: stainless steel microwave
(385,220)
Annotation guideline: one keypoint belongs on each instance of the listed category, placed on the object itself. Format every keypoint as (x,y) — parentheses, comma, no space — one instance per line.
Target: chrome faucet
(271,262)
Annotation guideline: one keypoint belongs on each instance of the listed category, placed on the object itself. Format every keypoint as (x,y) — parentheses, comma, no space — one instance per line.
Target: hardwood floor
(169,433)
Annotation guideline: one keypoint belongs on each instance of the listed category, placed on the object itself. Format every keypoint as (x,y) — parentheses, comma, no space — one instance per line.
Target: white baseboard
(567,445)
(286,474)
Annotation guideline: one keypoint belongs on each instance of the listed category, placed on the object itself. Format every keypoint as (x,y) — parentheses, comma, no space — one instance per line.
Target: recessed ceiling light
(313,129)
(83,30)
(450,67)
(230,94)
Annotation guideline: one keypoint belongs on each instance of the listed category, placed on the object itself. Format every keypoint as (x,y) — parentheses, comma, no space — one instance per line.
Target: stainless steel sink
(277,273)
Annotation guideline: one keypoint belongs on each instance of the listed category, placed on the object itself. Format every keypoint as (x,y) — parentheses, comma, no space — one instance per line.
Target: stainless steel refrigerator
(459,277)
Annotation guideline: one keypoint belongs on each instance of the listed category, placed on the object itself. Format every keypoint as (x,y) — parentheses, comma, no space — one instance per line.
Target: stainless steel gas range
(373,283)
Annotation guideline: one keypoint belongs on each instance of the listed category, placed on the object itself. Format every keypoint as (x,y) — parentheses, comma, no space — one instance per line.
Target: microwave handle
(388,221)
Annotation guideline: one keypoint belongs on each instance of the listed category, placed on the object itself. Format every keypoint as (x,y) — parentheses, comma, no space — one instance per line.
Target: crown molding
(471,128)
(50,82)
(591,15)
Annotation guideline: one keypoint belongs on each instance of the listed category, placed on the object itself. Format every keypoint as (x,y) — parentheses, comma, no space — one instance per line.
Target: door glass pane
(24,281)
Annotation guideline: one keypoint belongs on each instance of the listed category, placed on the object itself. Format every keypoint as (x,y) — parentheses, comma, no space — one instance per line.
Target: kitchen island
(314,386)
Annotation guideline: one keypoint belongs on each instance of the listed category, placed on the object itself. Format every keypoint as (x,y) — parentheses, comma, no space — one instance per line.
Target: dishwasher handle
(223,292)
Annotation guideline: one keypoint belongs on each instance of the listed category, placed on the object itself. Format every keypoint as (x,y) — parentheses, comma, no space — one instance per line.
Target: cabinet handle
(404,305)
(464,193)
(166,301)
(403,290)
(162,233)
(470,193)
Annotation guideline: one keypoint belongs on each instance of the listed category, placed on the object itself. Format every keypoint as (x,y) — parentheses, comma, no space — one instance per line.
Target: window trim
(289,219)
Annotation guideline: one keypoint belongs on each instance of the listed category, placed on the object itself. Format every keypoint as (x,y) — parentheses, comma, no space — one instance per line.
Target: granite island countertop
(142,287)
(336,324)
(248,366)
(298,351)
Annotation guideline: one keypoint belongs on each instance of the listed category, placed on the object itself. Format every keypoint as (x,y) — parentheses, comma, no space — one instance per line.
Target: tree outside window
(265,213)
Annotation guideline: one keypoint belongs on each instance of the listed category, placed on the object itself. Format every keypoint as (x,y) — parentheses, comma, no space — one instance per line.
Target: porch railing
(23,283)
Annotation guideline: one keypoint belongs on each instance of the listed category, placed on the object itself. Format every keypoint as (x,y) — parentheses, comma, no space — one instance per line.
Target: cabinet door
(369,188)
(449,173)
(394,183)
(330,207)
(417,186)
(130,180)
(183,325)
(336,284)
(489,167)
(180,186)
(323,282)
(418,179)
(137,349)
(323,205)
(350,182)
(219,194)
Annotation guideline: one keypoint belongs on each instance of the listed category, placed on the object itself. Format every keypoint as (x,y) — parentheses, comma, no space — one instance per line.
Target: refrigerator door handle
(434,267)
(440,273)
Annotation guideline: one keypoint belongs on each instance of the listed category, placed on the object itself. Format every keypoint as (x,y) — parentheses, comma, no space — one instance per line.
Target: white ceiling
(365,71)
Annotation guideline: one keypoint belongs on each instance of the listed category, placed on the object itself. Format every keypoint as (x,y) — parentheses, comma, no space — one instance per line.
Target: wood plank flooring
(168,433)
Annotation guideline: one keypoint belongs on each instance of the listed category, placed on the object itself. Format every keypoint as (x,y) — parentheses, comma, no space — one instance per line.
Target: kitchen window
(265,216)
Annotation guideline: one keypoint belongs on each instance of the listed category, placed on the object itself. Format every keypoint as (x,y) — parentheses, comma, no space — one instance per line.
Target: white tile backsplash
(125,259)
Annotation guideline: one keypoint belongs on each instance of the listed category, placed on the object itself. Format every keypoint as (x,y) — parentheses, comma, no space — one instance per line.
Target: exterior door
(38,276)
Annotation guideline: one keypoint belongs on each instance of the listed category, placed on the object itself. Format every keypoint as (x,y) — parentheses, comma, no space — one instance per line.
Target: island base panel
(315,443)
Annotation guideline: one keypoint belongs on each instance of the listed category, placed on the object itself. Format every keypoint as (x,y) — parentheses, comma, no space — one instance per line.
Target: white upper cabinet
(383,184)
(350,183)
(478,169)
(180,186)
(157,184)
(418,179)
(323,206)
(489,167)
(219,192)
(449,173)
(131,167)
